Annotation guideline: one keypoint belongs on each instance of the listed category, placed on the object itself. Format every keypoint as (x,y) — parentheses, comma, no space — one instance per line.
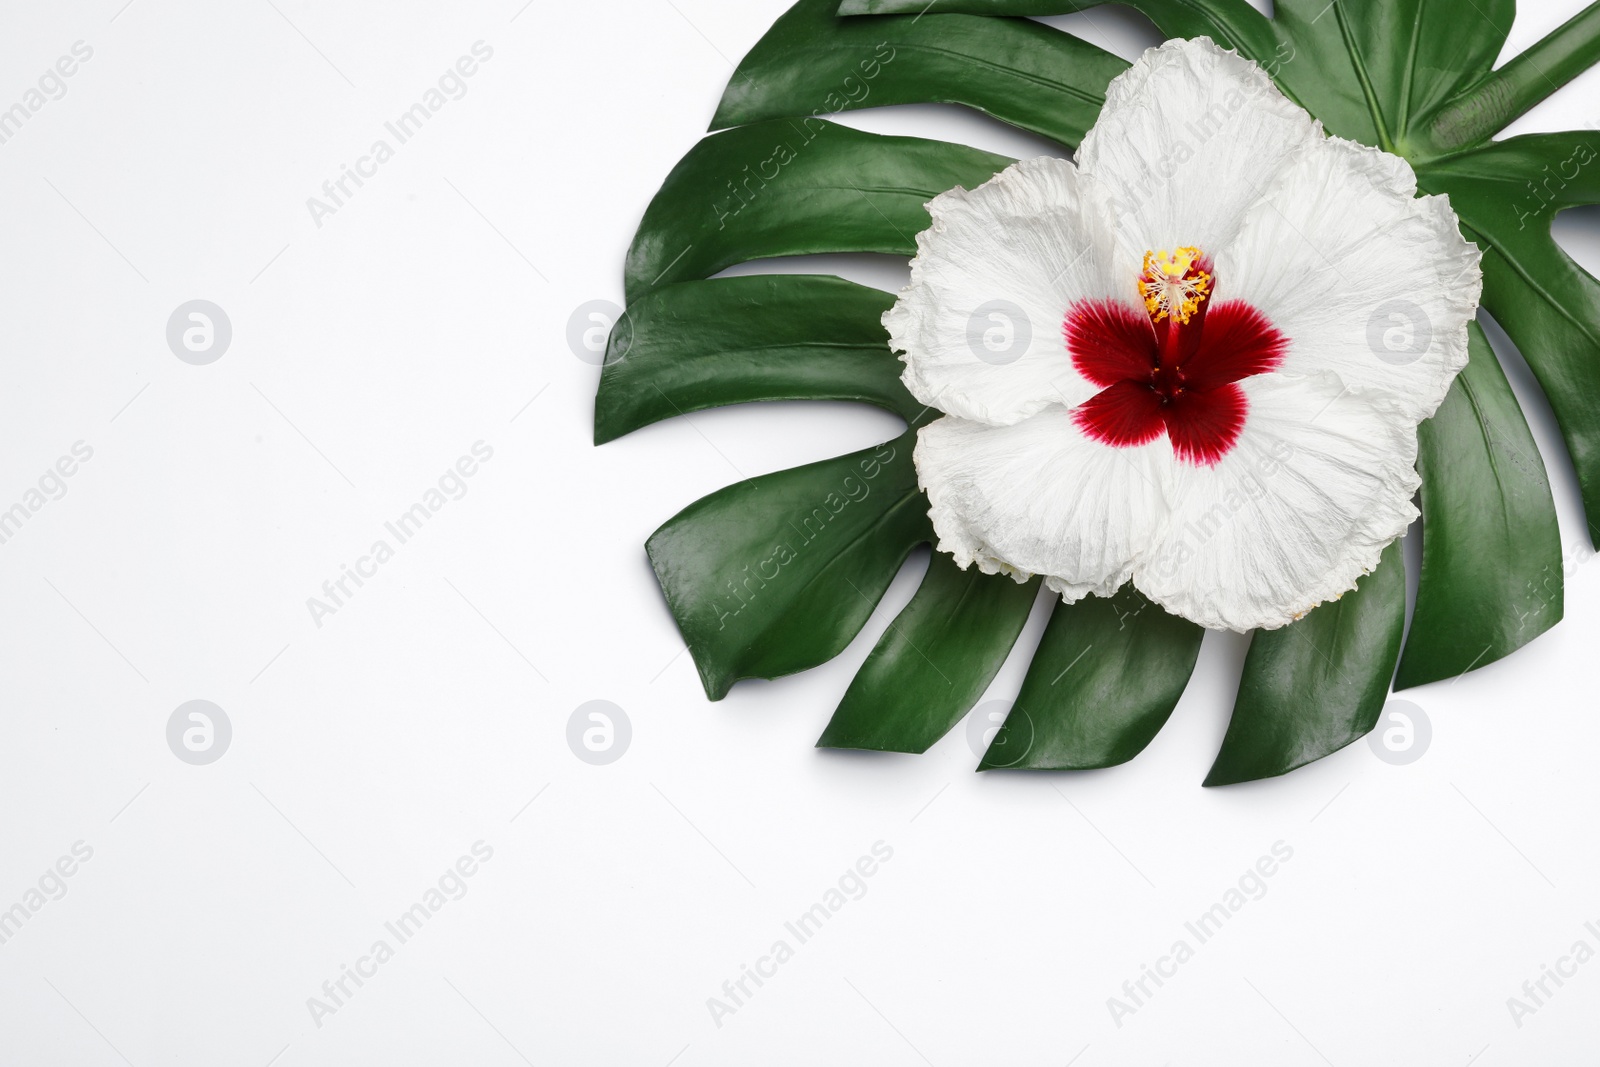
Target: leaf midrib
(1358,64)
(1404,119)
(742,350)
(1494,461)
(849,545)
(1538,289)
(1085,95)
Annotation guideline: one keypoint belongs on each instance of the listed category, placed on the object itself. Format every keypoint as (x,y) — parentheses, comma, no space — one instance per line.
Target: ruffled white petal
(980,327)
(1318,485)
(1188,138)
(1366,280)
(1037,497)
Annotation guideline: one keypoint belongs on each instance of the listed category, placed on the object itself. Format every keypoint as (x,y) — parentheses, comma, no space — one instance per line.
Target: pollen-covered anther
(1174,284)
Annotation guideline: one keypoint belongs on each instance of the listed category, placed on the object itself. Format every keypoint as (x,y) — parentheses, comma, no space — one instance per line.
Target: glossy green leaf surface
(1231,22)
(1106,676)
(934,662)
(1491,552)
(1488,105)
(1410,76)
(1022,72)
(793,187)
(696,345)
(1314,686)
(1392,73)
(1418,54)
(1369,70)
(776,574)
(1548,304)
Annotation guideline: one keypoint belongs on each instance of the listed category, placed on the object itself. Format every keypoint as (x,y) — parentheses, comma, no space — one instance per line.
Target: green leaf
(1527,78)
(1507,196)
(1225,21)
(974,7)
(1309,48)
(1491,552)
(1314,686)
(1019,71)
(1103,682)
(697,345)
(934,661)
(1231,23)
(1389,73)
(1416,54)
(791,187)
(778,573)
(1369,68)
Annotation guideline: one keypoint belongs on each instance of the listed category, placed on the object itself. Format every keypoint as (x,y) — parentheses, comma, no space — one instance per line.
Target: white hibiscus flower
(1219,331)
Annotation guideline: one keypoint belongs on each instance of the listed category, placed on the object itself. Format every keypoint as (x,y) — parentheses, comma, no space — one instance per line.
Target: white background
(368,754)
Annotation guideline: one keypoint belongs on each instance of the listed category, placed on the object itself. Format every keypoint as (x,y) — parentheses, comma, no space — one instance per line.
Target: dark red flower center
(1174,367)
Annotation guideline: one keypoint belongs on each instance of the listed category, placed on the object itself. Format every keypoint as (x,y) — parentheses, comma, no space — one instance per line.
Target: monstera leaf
(779,573)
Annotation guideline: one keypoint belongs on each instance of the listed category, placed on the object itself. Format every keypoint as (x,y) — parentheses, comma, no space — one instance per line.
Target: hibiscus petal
(1367,281)
(1110,341)
(980,326)
(1204,424)
(1319,482)
(1038,497)
(1237,341)
(1127,413)
(1187,137)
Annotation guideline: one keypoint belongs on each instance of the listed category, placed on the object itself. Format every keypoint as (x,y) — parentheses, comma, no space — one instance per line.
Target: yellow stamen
(1172,285)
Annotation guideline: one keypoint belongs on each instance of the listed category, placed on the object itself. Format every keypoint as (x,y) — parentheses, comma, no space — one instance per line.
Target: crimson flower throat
(1173,367)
